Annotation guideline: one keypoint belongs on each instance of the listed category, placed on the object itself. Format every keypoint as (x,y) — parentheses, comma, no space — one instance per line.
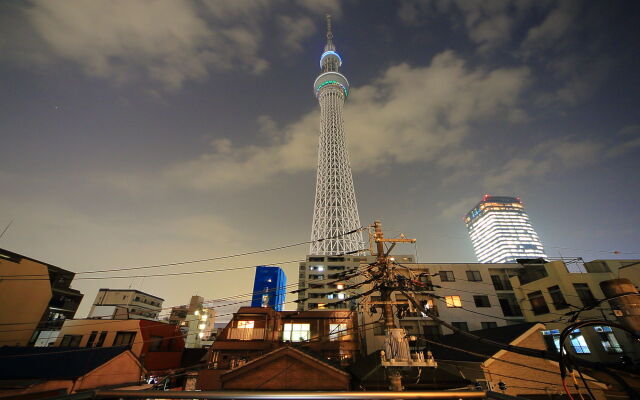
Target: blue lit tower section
(335,210)
(269,287)
(501,232)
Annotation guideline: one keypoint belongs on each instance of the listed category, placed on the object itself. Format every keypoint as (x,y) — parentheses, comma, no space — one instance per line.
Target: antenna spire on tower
(329,32)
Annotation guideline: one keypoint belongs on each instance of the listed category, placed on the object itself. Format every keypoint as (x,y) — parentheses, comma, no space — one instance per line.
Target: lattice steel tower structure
(336,210)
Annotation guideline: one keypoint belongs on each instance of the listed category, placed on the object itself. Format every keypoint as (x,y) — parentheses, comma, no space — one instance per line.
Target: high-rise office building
(501,232)
(335,210)
(269,287)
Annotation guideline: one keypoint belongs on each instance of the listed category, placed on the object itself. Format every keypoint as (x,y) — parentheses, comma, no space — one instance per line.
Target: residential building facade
(501,232)
(255,331)
(157,344)
(269,287)
(322,283)
(139,305)
(469,296)
(548,291)
(35,300)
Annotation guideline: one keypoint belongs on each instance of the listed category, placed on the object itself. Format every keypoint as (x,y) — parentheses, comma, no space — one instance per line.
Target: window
(586,297)
(296,332)
(489,325)
(246,324)
(578,342)
(608,339)
(92,338)
(453,301)
(474,276)
(337,330)
(425,280)
(557,298)
(463,326)
(447,276)
(103,336)
(538,303)
(482,301)
(552,339)
(71,341)
(501,284)
(431,331)
(155,342)
(124,338)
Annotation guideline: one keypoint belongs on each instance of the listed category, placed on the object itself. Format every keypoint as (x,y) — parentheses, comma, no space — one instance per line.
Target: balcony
(245,333)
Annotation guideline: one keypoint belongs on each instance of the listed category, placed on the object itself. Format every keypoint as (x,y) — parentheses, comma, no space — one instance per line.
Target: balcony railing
(245,333)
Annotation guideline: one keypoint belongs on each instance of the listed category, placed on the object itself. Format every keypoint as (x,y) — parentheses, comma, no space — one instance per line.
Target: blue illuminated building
(269,287)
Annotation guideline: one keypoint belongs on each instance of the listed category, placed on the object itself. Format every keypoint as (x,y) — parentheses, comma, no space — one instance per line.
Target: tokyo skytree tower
(335,211)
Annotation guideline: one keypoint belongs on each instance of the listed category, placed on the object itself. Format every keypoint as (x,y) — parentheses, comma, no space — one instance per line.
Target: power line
(8,278)
(205,259)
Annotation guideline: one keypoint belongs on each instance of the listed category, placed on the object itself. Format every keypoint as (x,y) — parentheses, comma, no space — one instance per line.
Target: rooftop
(130,290)
(45,362)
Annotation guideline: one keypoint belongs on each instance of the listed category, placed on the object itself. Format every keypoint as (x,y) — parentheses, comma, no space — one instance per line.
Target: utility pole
(396,354)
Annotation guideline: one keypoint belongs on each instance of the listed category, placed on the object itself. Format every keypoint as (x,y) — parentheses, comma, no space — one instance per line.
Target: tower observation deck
(335,210)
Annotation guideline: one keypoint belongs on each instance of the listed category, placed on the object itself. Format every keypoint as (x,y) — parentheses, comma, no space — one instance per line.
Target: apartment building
(255,331)
(549,290)
(469,296)
(318,285)
(139,305)
(156,344)
(35,300)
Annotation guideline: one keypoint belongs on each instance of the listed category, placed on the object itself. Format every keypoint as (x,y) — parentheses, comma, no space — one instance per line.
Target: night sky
(147,132)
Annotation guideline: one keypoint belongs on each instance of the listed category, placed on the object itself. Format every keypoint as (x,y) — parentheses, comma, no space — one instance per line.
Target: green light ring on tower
(325,83)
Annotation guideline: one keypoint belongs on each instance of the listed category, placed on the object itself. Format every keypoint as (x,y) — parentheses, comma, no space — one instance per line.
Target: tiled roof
(53,362)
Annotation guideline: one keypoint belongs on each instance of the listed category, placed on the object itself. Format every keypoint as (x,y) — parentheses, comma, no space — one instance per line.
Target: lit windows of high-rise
(501,232)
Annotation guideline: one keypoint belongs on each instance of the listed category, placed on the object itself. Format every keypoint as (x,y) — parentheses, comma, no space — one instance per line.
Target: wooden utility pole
(395,343)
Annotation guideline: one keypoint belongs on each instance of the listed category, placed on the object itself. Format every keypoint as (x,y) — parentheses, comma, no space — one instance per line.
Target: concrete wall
(559,275)
(22,302)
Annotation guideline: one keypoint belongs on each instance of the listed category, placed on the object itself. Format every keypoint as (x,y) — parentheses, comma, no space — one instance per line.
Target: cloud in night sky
(169,42)
(389,121)
(450,99)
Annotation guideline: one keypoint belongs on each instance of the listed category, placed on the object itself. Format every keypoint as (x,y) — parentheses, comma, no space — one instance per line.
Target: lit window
(341,296)
(453,301)
(337,330)
(204,317)
(339,286)
(608,339)
(320,268)
(578,342)
(202,326)
(246,324)
(330,296)
(296,332)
